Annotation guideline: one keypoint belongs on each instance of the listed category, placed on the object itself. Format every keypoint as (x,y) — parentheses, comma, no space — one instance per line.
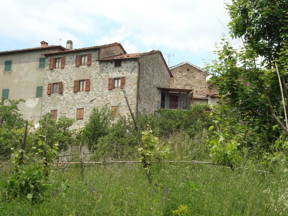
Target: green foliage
(28,182)
(150,151)
(54,133)
(11,127)
(120,142)
(182,210)
(97,127)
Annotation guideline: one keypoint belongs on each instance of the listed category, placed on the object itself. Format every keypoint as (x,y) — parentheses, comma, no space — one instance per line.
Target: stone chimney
(69,44)
(44,44)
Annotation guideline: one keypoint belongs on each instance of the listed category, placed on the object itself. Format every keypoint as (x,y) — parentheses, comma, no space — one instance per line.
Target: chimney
(44,44)
(69,44)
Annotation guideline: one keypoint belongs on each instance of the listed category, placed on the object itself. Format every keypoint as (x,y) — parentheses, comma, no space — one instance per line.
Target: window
(5,93)
(117,63)
(54,114)
(57,63)
(39,91)
(81,85)
(80,114)
(83,60)
(55,88)
(163,95)
(8,65)
(118,82)
(42,62)
(114,111)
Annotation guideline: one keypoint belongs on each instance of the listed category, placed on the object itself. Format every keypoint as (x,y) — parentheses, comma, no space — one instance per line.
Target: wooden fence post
(81,162)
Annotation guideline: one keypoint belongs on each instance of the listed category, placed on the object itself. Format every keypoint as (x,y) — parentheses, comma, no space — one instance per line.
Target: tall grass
(124,190)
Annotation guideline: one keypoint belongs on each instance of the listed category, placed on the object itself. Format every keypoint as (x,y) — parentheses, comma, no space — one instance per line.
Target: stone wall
(153,74)
(188,77)
(98,96)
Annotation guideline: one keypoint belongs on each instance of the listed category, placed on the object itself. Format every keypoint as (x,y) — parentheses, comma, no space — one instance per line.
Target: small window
(117,63)
(80,114)
(42,62)
(83,59)
(163,96)
(5,93)
(115,111)
(8,65)
(82,85)
(54,114)
(55,88)
(57,62)
(117,82)
(39,91)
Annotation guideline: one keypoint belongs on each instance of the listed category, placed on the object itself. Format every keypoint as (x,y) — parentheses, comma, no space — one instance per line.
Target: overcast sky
(184,30)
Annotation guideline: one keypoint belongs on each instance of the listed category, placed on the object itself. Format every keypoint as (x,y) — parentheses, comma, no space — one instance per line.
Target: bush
(27,182)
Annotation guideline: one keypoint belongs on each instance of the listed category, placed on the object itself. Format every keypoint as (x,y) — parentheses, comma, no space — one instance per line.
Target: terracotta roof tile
(8,52)
(85,49)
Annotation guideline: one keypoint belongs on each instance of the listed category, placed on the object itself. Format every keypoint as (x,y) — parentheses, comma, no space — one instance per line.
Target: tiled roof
(136,56)
(130,56)
(183,63)
(8,52)
(85,49)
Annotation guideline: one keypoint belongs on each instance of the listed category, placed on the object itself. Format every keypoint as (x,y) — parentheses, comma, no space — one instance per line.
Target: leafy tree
(11,127)
(247,78)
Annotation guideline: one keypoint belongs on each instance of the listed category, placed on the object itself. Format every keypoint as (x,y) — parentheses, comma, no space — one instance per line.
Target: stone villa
(71,82)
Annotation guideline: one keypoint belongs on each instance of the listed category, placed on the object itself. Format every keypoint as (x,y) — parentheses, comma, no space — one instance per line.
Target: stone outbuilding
(189,77)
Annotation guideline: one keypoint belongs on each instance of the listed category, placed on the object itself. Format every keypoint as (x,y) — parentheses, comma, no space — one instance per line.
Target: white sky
(177,26)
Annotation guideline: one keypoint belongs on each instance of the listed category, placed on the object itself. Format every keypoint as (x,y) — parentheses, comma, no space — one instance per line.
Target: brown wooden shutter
(89,59)
(49,89)
(60,88)
(123,81)
(87,86)
(76,86)
(110,84)
(62,62)
(78,61)
(80,114)
(51,63)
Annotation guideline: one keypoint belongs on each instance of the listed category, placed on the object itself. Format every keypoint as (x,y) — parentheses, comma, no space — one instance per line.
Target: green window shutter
(39,91)
(8,65)
(5,93)
(42,62)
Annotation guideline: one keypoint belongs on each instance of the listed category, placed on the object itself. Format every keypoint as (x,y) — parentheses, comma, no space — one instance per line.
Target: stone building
(190,77)
(72,82)
(22,75)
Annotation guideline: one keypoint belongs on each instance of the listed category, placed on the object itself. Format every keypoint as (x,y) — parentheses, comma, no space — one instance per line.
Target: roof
(176,90)
(136,56)
(31,49)
(183,63)
(85,49)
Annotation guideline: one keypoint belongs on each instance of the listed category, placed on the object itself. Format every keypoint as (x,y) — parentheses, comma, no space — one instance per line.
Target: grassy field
(124,190)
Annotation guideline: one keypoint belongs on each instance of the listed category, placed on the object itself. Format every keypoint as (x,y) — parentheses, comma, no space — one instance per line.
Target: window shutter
(76,86)
(60,89)
(110,84)
(78,61)
(51,63)
(89,59)
(5,93)
(62,62)
(87,86)
(49,88)
(123,80)
(39,91)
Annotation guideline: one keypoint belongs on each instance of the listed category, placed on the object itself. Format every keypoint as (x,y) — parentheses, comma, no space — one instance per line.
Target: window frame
(117,63)
(79,114)
(8,65)
(54,114)
(7,90)
(57,64)
(42,62)
(39,89)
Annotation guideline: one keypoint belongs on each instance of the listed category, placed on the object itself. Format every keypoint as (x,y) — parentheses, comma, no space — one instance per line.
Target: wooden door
(173,101)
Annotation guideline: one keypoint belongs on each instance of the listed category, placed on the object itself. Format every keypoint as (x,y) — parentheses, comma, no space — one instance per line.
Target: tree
(247,78)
